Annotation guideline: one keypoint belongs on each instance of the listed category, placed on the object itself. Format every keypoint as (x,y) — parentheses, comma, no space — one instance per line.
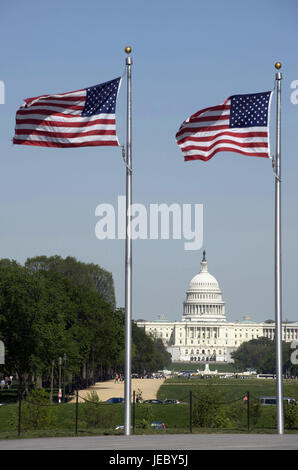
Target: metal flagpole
(128,259)
(278,289)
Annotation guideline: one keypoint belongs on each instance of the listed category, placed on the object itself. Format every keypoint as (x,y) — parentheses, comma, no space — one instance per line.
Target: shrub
(139,396)
(237,413)
(95,414)
(37,411)
(206,409)
(255,410)
(142,424)
(221,419)
(290,415)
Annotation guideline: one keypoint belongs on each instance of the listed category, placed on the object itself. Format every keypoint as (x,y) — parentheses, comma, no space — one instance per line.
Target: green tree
(254,354)
(163,358)
(44,314)
(20,294)
(260,354)
(83,274)
(149,353)
(53,307)
(143,351)
(288,367)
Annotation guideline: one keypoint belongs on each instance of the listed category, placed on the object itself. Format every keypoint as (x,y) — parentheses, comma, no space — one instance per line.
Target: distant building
(203,334)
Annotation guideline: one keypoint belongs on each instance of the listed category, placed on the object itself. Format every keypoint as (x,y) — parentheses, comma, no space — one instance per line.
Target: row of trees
(52,307)
(259,354)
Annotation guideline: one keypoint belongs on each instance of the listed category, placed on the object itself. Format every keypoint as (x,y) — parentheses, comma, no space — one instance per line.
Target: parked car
(115,400)
(158,425)
(272,400)
(153,402)
(120,427)
(171,401)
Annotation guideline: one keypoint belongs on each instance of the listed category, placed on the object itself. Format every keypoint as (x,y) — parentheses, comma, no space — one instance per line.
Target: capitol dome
(204,297)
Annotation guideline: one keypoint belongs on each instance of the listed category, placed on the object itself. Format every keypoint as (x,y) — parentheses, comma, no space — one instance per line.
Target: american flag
(240,124)
(75,119)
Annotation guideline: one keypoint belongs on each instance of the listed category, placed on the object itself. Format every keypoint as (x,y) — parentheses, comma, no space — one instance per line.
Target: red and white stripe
(56,121)
(208,131)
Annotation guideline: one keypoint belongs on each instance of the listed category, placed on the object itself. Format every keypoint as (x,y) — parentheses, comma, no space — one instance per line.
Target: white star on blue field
(249,110)
(101,99)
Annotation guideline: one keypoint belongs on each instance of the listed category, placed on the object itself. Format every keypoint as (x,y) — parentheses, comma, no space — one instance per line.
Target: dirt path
(109,389)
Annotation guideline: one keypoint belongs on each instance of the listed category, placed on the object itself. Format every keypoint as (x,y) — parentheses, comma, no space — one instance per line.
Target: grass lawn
(231,389)
(175,417)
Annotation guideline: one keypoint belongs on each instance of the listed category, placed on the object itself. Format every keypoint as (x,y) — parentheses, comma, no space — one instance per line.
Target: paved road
(159,442)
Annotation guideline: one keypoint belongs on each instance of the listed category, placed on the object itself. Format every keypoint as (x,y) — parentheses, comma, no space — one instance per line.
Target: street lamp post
(52,380)
(64,375)
(60,391)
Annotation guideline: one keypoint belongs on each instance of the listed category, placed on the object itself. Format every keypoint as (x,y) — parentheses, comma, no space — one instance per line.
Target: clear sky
(186,56)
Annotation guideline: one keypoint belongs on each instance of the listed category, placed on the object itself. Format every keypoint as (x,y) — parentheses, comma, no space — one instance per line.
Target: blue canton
(250,110)
(101,99)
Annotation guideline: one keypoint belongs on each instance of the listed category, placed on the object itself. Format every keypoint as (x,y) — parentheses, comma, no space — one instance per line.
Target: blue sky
(186,56)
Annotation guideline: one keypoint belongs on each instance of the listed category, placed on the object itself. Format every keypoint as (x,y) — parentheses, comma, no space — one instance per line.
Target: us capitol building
(203,334)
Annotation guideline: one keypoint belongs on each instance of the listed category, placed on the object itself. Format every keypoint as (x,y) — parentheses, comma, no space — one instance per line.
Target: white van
(272,400)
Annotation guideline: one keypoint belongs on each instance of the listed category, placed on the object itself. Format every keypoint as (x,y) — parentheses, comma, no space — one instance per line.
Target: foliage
(37,411)
(162,357)
(95,414)
(149,354)
(81,274)
(53,307)
(255,410)
(20,294)
(221,419)
(139,395)
(237,413)
(254,354)
(259,354)
(147,418)
(206,408)
(288,368)
(290,415)
(142,424)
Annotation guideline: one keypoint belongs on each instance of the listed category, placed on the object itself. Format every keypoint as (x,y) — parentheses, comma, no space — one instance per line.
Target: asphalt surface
(167,442)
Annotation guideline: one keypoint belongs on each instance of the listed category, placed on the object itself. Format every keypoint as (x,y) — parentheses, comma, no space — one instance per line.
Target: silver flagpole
(128,260)
(278,288)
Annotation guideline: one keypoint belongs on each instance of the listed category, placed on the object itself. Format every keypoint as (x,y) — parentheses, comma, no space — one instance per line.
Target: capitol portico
(204,334)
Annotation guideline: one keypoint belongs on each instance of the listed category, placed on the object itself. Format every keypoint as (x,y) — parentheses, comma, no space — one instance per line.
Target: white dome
(203,280)
(203,297)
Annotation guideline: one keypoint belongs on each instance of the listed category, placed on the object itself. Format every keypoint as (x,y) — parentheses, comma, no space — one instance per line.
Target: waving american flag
(240,124)
(75,119)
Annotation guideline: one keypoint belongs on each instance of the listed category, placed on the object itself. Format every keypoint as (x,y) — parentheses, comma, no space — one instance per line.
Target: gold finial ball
(128,49)
(277,65)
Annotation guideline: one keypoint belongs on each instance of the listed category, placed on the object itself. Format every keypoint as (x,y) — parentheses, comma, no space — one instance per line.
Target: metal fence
(88,416)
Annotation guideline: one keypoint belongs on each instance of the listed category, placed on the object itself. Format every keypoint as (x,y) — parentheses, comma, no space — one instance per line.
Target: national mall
(203,334)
